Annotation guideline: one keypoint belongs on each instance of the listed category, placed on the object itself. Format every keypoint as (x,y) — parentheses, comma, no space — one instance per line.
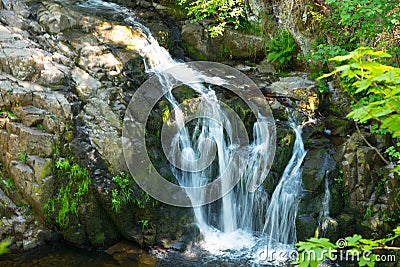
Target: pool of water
(62,255)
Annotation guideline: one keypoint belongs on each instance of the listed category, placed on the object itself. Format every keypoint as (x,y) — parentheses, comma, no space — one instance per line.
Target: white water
(281,214)
(245,221)
(324,214)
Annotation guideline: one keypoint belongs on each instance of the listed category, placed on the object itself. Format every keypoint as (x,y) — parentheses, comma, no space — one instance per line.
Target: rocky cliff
(66,78)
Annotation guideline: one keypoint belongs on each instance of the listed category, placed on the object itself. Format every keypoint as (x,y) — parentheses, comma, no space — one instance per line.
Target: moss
(285,140)
(194,53)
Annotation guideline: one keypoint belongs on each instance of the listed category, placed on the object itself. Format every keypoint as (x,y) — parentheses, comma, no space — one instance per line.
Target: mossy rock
(285,140)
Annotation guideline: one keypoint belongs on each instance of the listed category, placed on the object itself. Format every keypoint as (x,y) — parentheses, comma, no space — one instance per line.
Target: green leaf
(354,238)
(380,54)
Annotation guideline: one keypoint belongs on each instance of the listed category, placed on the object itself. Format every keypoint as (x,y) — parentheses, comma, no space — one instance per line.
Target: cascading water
(281,214)
(324,214)
(246,219)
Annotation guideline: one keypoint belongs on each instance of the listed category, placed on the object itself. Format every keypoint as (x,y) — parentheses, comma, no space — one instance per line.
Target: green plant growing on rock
(145,224)
(394,153)
(281,48)
(368,213)
(8,114)
(316,250)
(10,183)
(223,12)
(4,246)
(123,194)
(71,193)
(22,157)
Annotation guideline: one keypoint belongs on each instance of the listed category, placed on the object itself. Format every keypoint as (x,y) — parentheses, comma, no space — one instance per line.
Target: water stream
(324,214)
(244,223)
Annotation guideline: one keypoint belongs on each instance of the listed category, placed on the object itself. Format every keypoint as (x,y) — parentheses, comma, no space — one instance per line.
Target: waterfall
(246,218)
(324,213)
(281,214)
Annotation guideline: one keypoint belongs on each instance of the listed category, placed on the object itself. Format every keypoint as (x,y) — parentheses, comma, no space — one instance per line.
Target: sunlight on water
(248,223)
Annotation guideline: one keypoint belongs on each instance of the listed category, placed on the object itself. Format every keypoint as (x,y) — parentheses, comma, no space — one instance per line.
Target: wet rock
(285,140)
(336,101)
(266,67)
(306,226)
(99,228)
(359,181)
(297,87)
(347,224)
(338,126)
(30,243)
(317,164)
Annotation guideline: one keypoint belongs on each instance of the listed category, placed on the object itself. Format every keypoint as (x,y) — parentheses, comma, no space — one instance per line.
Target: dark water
(61,255)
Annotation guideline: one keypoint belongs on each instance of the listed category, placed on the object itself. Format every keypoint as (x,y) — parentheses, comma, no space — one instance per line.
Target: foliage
(222,12)
(375,87)
(394,153)
(353,23)
(359,18)
(280,49)
(316,250)
(22,157)
(123,194)
(322,52)
(71,193)
(8,114)
(4,246)
(145,224)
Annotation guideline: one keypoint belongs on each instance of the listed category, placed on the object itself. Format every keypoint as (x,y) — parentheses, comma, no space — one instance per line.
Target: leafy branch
(375,87)
(222,12)
(316,250)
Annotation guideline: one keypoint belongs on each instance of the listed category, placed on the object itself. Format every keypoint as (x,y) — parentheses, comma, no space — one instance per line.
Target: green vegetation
(223,12)
(375,88)
(8,114)
(75,183)
(315,250)
(4,246)
(281,49)
(123,194)
(353,23)
(339,178)
(23,157)
(10,183)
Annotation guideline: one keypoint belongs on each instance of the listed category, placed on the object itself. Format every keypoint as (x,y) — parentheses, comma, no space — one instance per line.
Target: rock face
(297,87)
(233,45)
(63,89)
(66,78)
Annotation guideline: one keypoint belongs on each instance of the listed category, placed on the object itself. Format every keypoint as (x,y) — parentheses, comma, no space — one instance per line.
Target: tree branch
(371,146)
